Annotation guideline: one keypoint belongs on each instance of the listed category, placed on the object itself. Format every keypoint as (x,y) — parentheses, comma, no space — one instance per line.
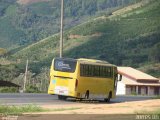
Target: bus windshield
(65,65)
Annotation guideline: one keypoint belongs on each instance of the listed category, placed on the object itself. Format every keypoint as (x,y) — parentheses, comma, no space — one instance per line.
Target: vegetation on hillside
(130,38)
(2,51)
(25,24)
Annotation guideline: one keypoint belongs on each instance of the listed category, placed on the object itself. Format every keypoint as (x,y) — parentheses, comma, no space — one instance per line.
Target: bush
(8,89)
(133,93)
(32,89)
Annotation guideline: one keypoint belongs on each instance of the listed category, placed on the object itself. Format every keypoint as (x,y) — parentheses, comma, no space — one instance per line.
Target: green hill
(26,24)
(123,39)
(129,36)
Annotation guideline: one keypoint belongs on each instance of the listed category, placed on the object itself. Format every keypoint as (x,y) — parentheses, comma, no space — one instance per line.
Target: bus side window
(90,71)
(101,71)
(104,71)
(96,72)
(81,70)
(109,72)
(93,70)
(86,70)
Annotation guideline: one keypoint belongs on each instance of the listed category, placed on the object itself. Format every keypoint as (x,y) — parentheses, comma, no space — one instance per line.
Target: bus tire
(108,98)
(61,97)
(87,94)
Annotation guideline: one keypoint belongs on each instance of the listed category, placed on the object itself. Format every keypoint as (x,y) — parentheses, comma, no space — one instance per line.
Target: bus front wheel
(61,97)
(108,98)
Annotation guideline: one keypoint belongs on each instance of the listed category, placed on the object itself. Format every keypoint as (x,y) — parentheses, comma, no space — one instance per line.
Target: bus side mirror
(120,77)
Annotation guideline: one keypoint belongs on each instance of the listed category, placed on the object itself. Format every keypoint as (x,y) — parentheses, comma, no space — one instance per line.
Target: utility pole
(61,32)
(25,77)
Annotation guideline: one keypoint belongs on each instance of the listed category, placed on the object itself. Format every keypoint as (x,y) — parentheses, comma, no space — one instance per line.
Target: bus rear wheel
(87,94)
(61,97)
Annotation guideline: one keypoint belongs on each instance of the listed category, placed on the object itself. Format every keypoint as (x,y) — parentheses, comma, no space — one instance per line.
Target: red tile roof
(128,81)
(136,74)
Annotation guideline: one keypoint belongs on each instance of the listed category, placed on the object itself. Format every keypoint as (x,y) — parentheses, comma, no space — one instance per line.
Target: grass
(155,112)
(18,110)
(156,97)
(64,109)
(11,10)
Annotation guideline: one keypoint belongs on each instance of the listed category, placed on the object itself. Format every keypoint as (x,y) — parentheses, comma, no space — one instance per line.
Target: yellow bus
(82,78)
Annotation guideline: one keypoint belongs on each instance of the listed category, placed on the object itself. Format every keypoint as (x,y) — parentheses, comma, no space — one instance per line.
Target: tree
(155,53)
(2,51)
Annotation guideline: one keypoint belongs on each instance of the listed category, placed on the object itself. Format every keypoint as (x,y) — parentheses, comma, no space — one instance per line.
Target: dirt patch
(24,2)
(129,8)
(104,108)
(97,34)
(75,36)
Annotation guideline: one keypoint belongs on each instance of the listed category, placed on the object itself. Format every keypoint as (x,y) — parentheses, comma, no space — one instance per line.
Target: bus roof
(94,62)
(70,59)
(88,61)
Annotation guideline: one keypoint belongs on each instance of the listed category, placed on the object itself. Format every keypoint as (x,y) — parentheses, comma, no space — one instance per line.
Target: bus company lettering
(61,64)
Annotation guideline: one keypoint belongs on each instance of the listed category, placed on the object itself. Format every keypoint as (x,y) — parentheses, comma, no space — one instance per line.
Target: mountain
(129,36)
(24,22)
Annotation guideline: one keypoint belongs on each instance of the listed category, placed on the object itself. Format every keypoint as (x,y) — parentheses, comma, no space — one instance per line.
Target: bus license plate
(61,91)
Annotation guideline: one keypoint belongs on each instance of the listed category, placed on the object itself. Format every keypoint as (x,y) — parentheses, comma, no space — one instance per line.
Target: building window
(133,90)
(156,90)
(146,90)
(139,90)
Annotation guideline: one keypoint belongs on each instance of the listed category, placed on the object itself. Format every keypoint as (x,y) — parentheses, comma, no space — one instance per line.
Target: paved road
(42,99)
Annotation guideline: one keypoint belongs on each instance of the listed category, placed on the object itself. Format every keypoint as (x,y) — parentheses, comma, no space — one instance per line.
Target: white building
(137,82)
